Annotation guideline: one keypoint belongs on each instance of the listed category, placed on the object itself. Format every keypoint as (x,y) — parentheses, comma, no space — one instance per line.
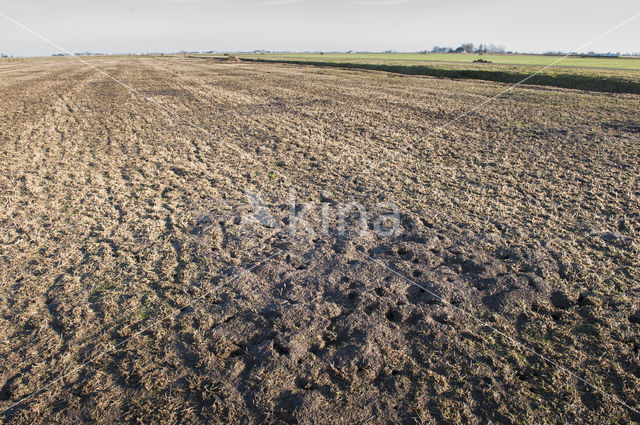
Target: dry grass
(525,214)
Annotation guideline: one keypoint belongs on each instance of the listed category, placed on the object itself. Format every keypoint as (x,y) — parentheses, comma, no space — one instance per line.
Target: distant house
(459,50)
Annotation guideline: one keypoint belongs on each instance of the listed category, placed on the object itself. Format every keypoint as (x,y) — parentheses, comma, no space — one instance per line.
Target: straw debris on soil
(524,214)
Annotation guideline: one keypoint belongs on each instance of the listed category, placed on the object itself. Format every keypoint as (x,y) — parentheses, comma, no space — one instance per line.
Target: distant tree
(492,48)
(438,49)
(467,47)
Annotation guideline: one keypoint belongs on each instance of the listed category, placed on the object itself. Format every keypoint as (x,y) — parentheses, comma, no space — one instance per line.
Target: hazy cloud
(380,2)
(282,2)
(375,25)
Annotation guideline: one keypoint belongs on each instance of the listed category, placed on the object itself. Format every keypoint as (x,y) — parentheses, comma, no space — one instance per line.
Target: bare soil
(520,221)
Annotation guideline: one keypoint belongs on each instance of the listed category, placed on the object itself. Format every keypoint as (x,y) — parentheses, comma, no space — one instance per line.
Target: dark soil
(135,289)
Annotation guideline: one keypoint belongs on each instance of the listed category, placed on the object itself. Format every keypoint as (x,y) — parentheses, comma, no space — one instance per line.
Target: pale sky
(375,25)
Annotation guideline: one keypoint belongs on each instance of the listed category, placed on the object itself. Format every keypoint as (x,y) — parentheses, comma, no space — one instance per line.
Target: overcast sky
(403,25)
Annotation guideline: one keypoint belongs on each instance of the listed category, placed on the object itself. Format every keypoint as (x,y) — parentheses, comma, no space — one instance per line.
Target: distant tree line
(594,54)
(483,48)
(470,48)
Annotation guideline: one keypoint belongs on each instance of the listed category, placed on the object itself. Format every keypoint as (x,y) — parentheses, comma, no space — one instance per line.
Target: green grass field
(613,75)
(541,60)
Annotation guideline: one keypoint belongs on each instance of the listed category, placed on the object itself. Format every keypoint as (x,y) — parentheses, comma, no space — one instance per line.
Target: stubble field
(133,288)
